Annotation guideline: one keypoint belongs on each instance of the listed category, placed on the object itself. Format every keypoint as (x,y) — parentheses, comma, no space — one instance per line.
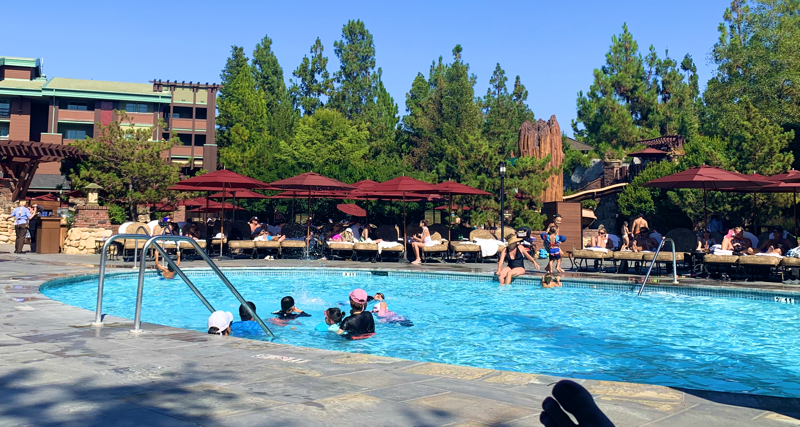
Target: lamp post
(502,167)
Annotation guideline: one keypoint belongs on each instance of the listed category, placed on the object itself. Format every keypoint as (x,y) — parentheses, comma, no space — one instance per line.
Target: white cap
(220,319)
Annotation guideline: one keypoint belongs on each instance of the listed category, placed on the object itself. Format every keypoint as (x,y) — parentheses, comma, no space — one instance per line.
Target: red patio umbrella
(215,207)
(49,197)
(220,180)
(240,193)
(309,182)
(351,209)
(788,182)
(707,178)
(401,185)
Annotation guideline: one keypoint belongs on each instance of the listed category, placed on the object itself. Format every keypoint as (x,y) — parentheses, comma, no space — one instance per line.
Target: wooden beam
(20,181)
(26,183)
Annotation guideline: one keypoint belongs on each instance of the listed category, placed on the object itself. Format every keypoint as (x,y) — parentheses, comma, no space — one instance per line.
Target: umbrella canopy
(219,180)
(310,181)
(452,207)
(456,189)
(239,194)
(790,177)
(198,201)
(707,178)
(648,152)
(351,209)
(49,197)
(364,183)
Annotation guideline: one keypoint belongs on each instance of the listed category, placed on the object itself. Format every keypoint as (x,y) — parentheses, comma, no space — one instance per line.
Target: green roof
(18,62)
(100,86)
(98,89)
(21,87)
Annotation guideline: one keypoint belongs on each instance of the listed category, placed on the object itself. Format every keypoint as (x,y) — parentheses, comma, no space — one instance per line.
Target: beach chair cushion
(366,246)
(720,259)
(463,247)
(292,244)
(628,256)
(261,244)
(587,254)
(790,262)
(340,246)
(442,247)
(241,244)
(664,256)
(767,261)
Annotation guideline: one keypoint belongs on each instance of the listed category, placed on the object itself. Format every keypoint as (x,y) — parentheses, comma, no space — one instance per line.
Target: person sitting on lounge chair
(602,240)
(736,241)
(705,241)
(776,243)
(643,241)
(266,236)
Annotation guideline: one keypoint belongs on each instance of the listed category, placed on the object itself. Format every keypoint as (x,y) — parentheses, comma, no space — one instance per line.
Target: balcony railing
(187,151)
(141,118)
(76,116)
(181,124)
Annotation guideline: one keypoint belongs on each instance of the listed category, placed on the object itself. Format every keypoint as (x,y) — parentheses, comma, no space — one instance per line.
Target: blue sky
(553,46)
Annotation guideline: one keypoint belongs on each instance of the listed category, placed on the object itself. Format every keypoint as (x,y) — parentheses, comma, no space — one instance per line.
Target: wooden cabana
(20,159)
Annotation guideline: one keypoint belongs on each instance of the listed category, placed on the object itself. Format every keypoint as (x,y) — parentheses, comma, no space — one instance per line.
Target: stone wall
(81,240)
(7,234)
(6,204)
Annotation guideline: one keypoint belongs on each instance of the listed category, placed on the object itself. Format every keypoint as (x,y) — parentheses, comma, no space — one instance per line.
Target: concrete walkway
(55,369)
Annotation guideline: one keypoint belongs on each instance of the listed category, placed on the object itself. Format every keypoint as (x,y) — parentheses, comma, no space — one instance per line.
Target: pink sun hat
(359,296)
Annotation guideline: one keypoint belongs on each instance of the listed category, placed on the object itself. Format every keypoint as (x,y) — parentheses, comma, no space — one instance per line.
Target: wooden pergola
(20,159)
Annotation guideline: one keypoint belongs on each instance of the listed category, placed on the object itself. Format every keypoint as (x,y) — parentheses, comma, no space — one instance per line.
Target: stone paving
(56,369)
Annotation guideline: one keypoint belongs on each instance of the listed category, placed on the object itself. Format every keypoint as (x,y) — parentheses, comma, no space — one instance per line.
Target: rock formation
(538,140)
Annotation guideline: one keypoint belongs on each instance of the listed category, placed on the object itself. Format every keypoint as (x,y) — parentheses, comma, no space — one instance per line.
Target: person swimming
(333,316)
(359,322)
(219,323)
(248,326)
(288,310)
(381,309)
(550,280)
(166,271)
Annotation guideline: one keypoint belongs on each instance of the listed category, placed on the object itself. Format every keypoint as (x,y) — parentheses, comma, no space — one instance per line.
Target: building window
(4,132)
(76,134)
(136,108)
(5,108)
(80,106)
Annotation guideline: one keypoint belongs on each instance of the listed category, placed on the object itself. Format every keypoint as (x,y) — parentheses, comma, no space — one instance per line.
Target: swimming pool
(587,329)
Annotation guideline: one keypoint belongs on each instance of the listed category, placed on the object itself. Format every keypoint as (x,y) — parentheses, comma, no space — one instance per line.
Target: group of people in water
(359,324)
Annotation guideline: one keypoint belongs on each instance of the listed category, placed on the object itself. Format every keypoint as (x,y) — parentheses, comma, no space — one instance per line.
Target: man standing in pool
(166,271)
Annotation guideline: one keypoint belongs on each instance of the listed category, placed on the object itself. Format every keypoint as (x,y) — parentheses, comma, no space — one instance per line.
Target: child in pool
(333,316)
(551,281)
(288,310)
(382,311)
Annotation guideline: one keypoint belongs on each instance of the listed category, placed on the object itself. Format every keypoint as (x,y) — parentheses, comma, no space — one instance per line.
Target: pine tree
(382,116)
(314,81)
(269,81)
(504,112)
(244,122)
(354,80)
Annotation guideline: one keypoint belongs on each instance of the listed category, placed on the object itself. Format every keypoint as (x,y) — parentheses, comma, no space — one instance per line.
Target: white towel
(721,252)
(489,247)
(596,249)
(775,255)
(383,245)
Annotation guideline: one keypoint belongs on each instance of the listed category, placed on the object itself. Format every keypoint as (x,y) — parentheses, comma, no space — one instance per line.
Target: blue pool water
(722,344)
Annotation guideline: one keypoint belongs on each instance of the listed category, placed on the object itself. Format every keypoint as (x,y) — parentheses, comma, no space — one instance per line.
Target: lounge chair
(627,256)
(788,263)
(584,255)
(340,248)
(463,249)
(390,233)
(130,245)
(266,246)
(366,249)
(664,257)
(759,264)
(293,246)
(428,252)
(729,262)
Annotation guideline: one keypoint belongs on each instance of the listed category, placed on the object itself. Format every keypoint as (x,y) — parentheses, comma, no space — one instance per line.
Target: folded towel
(721,252)
(489,247)
(597,249)
(775,255)
(383,245)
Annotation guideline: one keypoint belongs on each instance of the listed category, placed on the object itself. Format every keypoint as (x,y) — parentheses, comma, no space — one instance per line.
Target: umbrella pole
(234,206)
(450,218)
(405,236)
(308,225)
(208,193)
(705,212)
(222,222)
(754,214)
(794,191)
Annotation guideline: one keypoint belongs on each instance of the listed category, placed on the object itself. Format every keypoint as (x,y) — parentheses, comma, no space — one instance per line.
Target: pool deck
(56,369)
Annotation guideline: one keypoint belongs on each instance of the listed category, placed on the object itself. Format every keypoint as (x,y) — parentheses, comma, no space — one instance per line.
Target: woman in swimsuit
(515,254)
(421,241)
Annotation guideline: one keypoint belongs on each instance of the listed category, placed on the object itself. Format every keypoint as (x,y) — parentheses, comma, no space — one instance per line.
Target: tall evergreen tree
(634,97)
(382,116)
(504,112)
(246,142)
(354,80)
(269,81)
(314,81)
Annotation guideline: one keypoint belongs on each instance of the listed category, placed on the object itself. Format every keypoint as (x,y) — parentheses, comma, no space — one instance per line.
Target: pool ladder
(154,242)
(655,260)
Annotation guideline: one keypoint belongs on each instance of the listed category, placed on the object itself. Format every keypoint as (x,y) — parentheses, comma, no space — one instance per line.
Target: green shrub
(116,214)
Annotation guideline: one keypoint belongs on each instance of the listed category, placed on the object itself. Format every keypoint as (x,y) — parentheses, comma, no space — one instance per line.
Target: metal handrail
(98,316)
(137,321)
(135,249)
(655,259)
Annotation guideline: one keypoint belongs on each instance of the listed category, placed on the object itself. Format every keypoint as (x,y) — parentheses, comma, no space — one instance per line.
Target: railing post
(98,318)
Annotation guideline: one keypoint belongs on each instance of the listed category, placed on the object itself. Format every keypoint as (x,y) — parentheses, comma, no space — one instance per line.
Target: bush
(116,214)
(589,204)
